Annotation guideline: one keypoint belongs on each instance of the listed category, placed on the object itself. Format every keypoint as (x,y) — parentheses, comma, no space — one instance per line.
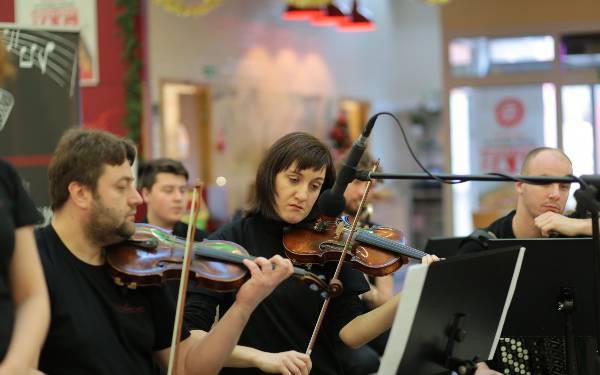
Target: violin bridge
(339,230)
(318,225)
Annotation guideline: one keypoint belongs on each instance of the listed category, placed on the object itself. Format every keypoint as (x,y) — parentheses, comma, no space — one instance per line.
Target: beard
(106,226)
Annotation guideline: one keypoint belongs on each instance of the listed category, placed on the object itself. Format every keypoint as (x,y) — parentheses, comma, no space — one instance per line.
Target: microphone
(332,202)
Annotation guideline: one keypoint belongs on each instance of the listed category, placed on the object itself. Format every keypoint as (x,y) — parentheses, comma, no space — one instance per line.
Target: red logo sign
(509,112)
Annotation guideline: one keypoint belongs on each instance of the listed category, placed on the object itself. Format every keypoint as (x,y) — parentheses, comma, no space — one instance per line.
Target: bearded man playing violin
(97,326)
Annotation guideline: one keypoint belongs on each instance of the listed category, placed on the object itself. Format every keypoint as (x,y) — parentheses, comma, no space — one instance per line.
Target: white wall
(396,64)
(393,67)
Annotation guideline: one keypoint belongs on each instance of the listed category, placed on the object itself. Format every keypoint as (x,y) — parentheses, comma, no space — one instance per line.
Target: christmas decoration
(188,8)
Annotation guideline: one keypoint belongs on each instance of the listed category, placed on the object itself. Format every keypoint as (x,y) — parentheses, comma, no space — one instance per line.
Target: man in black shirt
(164,187)
(97,326)
(539,211)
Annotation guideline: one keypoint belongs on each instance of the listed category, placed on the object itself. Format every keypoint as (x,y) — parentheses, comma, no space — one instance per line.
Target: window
(580,50)
(480,57)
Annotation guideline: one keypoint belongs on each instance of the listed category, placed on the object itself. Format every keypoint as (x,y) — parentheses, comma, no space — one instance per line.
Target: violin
(153,255)
(377,251)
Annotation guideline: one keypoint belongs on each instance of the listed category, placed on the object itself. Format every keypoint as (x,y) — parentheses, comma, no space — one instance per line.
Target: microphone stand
(540,180)
(587,196)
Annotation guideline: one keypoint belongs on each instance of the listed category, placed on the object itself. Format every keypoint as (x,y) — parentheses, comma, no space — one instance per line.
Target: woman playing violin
(290,178)
(98,327)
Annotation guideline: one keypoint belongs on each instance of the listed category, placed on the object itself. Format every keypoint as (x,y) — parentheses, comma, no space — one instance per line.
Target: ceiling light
(294,13)
(356,21)
(330,15)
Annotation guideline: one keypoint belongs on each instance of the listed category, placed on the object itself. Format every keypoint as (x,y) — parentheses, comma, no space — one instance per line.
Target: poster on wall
(79,14)
(506,122)
(39,103)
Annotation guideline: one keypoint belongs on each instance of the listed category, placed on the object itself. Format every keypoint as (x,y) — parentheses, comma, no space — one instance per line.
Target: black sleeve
(200,235)
(163,311)
(180,230)
(45,253)
(24,211)
(579,214)
(342,310)
(201,304)
(201,307)
(348,305)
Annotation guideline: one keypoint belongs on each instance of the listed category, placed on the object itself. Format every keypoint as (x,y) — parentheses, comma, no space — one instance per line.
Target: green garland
(133,81)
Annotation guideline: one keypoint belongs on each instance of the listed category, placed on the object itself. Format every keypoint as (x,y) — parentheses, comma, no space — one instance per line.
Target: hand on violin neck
(429,258)
(265,275)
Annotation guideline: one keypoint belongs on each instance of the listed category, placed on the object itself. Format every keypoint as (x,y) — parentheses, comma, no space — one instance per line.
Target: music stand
(555,273)
(451,313)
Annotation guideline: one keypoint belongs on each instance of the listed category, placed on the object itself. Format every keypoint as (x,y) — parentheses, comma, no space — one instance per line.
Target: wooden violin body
(153,255)
(377,252)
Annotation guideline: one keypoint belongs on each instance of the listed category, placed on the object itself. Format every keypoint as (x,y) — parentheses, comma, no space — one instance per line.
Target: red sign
(509,112)
(503,159)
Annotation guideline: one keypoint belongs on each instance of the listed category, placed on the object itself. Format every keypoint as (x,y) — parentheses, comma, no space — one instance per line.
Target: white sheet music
(407,309)
(405,315)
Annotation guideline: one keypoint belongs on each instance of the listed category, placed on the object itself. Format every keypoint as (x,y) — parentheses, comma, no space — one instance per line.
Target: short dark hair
(147,171)
(80,156)
(532,154)
(308,153)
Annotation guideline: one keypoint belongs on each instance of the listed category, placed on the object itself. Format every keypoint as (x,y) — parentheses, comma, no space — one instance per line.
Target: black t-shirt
(98,327)
(502,227)
(16,210)
(180,230)
(286,318)
(477,240)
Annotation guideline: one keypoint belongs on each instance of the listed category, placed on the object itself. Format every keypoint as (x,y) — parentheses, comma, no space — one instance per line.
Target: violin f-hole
(149,244)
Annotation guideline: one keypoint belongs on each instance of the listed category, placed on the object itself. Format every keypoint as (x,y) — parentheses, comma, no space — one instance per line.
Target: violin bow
(338,269)
(185,275)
